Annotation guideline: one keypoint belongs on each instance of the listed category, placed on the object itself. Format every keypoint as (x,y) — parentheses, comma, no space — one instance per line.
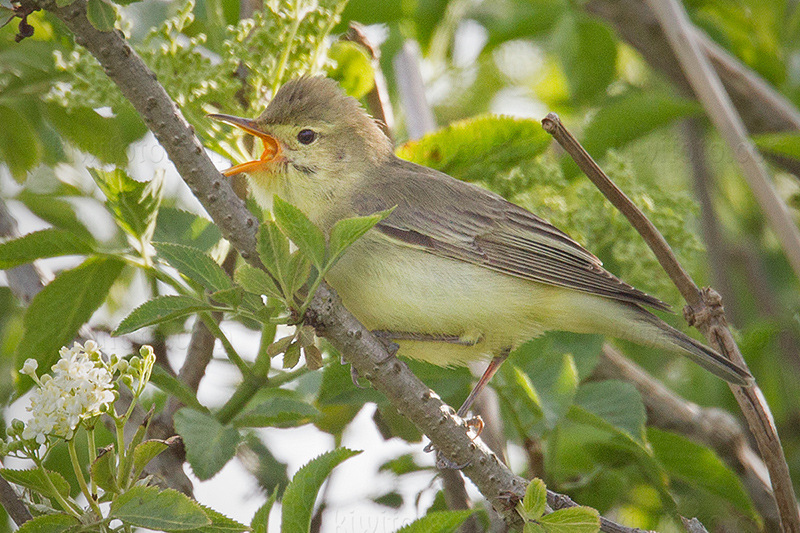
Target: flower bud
(17,425)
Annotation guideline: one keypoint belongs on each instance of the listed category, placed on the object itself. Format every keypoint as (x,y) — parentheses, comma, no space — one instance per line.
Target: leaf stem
(76,466)
(68,505)
(233,355)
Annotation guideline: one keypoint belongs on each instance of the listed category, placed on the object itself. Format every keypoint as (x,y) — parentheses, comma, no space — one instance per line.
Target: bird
(455,274)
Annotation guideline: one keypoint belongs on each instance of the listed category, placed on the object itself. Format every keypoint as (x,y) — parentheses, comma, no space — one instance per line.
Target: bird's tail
(674,340)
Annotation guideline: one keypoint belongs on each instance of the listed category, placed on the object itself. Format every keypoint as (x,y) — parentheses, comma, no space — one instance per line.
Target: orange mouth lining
(272,149)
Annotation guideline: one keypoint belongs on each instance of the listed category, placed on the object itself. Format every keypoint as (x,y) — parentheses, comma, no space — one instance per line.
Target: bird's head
(316,140)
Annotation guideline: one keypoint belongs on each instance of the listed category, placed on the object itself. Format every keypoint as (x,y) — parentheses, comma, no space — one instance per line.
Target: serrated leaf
(34,479)
(57,312)
(615,402)
(195,265)
(273,249)
(300,495)
(166,510)
(20,146)
(50,523)
(103,470)
(169,384)
(572,520)
(134,204)
(209,444)
(160,310)
(275,408)
(50,242)
(291,356)
(473,149)
(535,500)
(299,271)
(437,522)
(220,523)
(260,522)
(146,452)
(300,230)
(181,227)
(232,297)
(347,231)
(101,14)
(256,281)
(533,527)
(699,467)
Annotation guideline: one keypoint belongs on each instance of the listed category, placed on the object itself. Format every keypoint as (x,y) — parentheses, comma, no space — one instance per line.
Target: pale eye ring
(307,136)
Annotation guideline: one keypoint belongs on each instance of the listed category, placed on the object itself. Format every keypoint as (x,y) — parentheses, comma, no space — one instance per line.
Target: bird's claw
(385,338)
(354,377)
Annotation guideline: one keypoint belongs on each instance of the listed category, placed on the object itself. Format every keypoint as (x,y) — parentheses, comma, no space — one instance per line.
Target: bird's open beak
(272,148)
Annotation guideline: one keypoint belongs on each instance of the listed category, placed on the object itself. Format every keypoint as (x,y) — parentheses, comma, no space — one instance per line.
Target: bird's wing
(461,221)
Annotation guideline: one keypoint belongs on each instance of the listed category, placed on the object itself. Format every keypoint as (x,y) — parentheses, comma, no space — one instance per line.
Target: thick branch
(387,374)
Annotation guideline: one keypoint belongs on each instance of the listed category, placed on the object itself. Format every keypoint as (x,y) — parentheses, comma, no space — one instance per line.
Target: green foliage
(166,510)
(50,523)
(33,479)
(159,310)
(570,520)
(298,500)
(209,444)
(54,316)
(50,242)
(195,265)
(437,522)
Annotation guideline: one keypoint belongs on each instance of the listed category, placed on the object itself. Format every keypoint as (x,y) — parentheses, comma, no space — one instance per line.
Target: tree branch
(389,375)
(706,313)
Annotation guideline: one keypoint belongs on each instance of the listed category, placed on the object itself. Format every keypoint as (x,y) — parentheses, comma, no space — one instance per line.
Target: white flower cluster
(81,387)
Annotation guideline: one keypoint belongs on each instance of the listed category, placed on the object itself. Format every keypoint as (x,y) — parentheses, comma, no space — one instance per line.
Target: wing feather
(461,221)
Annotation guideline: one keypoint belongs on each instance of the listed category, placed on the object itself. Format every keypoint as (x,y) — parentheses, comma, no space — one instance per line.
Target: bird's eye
(307,136)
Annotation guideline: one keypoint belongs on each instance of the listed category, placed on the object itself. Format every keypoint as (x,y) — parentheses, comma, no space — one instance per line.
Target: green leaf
(101,14)
(166,510)
(220,523)
(533,527)
(476,148)
(62,307)
(103,470)
(588,54)
(348,230)
(615,402)
(146,452)
(160,310)
(45,243)
(34,479)
(300,230)
(554,378)
(780,143)
(260,522)
(353,68)
(572,520)
(50,523)
(181,227)
(169,384)
(58,212)
(275,408)
(699,467)
(273,248)
(437,522)
(134,204)
(299,272)
(20,146)
(535,500)
(195,265)
(291,356)
(209,444)
(256,281)
(300,495)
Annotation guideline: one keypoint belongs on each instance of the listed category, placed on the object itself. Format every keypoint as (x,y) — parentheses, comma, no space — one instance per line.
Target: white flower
(81,387)
(29,368)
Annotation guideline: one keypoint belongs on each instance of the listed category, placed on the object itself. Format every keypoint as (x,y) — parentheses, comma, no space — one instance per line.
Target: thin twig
(12,503)
(388,375)
(706,313)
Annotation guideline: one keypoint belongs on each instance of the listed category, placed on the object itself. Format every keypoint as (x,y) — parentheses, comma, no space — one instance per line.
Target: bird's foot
(474,427)
(386,338)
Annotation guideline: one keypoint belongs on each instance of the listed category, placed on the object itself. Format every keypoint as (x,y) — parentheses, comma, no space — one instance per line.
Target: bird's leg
(475,423)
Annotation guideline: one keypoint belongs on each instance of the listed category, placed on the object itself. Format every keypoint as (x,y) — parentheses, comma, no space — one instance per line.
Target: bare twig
(706,313)
(419,118)
(12,503)
(378,103)
(761,107)
(709,90)
(388,375)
